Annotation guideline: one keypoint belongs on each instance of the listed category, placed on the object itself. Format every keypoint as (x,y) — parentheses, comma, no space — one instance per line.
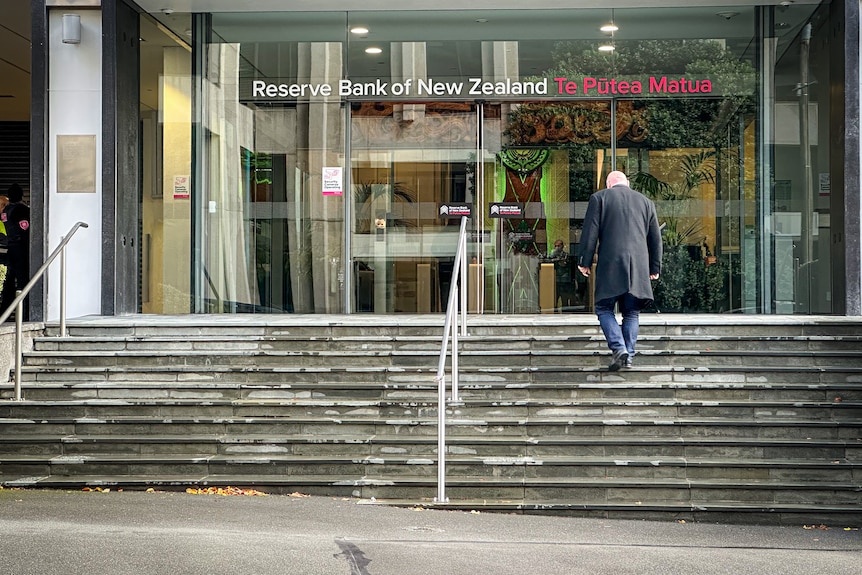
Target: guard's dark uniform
(16,219)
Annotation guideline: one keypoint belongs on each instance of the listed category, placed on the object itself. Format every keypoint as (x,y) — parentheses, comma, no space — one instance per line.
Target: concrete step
(457,466)
(510,358)
(711,510)
(432,325)
(364,425)
(427,393)
(811,385)
(347,410)
(739,448)
(757,385)
(489,342)
(587,492)
(574,374)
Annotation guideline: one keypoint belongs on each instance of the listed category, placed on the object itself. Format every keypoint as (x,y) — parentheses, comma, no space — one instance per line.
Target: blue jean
(625,336)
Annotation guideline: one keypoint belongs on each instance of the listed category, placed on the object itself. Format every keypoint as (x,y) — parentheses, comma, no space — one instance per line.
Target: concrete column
(74,109)
(409,62)
(317,246)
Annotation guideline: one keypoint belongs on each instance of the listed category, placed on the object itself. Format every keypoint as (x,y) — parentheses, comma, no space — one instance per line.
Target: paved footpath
(73,532)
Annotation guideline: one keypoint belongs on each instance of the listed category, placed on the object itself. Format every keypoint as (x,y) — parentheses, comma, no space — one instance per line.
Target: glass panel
(550,156)
(271,178)
(286,95)
(406,160)
(694,171)
(803,200)
(166,152)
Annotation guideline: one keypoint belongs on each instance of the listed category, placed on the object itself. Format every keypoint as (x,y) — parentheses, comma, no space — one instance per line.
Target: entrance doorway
(410,162)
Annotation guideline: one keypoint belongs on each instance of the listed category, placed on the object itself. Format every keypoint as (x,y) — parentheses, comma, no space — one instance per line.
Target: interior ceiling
(15,60)
(386,5)
(691,19)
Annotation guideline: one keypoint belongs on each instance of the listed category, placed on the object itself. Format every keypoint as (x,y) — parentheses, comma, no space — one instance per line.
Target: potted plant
(682,285)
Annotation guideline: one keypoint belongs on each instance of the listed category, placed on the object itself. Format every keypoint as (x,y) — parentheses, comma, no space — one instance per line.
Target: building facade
(293,157)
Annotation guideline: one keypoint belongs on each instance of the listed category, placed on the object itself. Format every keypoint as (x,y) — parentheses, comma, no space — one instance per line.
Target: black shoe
(628,364)
(620,357)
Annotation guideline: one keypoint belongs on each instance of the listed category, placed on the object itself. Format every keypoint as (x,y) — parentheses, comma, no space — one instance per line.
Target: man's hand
(653,276)
(584,271)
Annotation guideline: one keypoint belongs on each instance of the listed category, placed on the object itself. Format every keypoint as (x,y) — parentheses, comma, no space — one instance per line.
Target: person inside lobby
(564,300)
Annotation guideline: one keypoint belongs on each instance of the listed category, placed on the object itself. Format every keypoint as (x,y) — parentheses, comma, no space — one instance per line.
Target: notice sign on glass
(76,164)
(506,210)
(332,178)
(181,188)
(455,210)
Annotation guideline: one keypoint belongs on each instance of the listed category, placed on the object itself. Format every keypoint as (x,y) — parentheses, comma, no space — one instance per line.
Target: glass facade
(302,162)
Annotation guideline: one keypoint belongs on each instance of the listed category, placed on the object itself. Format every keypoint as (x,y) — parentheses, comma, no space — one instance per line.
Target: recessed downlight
(373,50)
(359,30)
(609,27)
(606,48)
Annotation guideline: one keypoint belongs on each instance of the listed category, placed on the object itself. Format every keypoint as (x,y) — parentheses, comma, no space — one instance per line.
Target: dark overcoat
(622,224)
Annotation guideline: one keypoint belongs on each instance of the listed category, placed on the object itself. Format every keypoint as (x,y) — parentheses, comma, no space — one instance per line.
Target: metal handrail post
(63,292)
(19,310)
(455,396)
(450,322)
(441,442)
(463,288)
(450,302)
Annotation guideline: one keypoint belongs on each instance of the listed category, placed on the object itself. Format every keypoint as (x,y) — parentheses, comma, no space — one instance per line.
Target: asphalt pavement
(118,533)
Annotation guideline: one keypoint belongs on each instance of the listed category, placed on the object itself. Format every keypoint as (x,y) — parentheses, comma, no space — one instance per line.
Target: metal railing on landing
(450,330)
(18,307)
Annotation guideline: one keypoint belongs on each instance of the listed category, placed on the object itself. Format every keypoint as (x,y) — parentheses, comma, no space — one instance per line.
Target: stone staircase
(722,417)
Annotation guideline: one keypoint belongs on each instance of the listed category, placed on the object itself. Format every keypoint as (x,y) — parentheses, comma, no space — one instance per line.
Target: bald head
(616,178)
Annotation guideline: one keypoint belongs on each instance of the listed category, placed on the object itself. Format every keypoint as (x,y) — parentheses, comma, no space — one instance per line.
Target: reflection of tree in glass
(705,122)
(681,121)
(673,198)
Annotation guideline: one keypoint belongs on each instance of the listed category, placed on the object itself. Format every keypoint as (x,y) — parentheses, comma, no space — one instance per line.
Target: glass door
(526,170)
(407,161)
(545,159)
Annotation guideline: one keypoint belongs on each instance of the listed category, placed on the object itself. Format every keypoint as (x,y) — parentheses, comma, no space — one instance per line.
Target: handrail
(449,325)
(22,293)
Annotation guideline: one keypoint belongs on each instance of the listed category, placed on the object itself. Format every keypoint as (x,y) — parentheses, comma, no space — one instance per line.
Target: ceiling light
(606,48)
(609,27)
(359,30)
(373,50)
(482,20)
